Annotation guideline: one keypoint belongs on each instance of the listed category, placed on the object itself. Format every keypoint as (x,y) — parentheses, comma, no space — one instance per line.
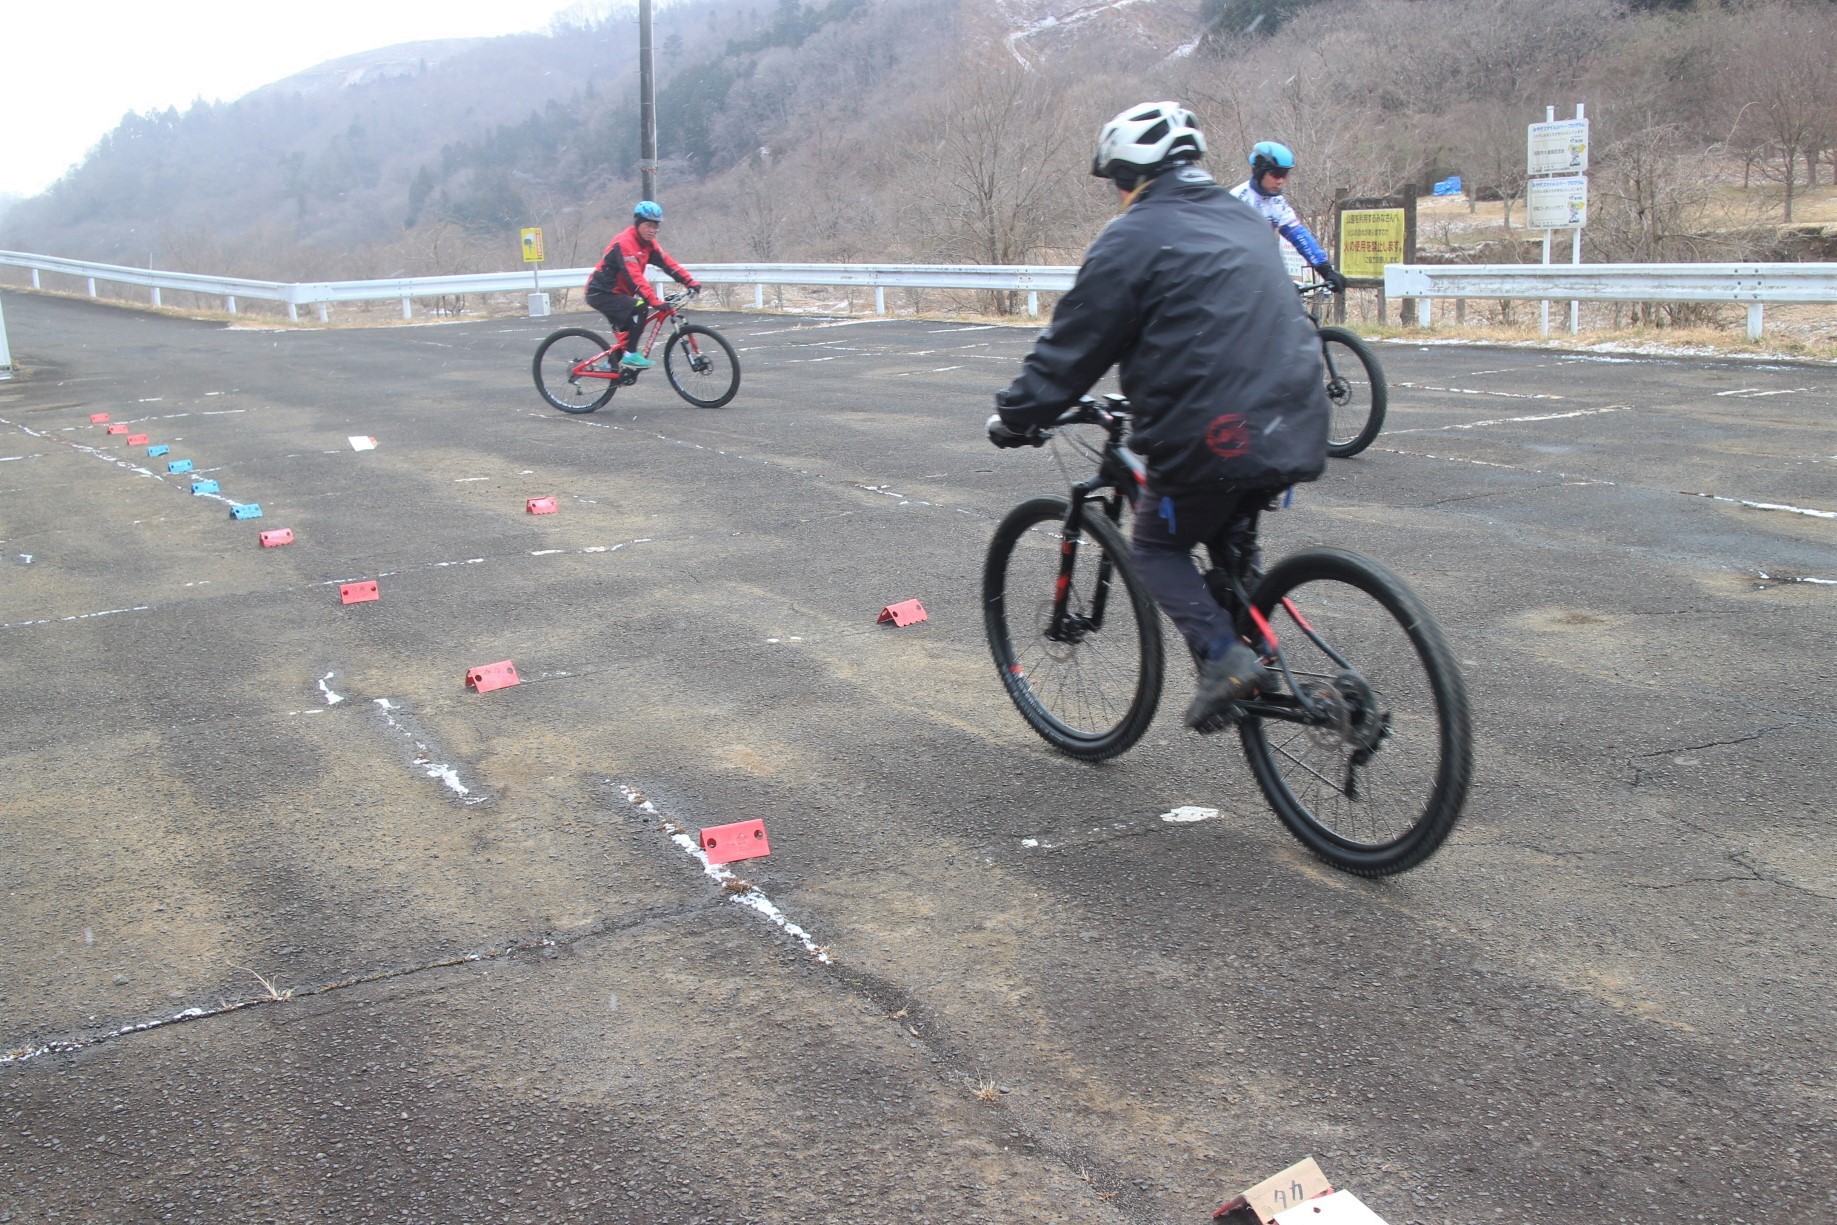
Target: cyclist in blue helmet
(620,290)
(1270,165)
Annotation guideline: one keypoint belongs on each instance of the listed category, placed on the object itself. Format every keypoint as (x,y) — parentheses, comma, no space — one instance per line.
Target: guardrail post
(1426,314)
(325,315)
(1755,311)
(1033,303)
(293,313)
(229,303)
(408,310)
(156,295)
(880,299)
(92,286)
(6,354)
(759,297)
(35,284)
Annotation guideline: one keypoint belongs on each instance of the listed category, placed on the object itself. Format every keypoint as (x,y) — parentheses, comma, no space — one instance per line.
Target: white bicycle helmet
(1143,139)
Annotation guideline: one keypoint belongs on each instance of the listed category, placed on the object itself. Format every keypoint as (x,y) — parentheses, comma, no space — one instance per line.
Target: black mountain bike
(1358,403)
(1363,746)
(577,370)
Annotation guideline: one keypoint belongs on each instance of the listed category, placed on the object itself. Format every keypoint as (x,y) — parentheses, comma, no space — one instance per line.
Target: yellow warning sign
(532,246)
(1370,238)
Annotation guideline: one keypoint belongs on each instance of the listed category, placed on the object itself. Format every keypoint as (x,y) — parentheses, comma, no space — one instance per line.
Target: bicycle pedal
(1223,721)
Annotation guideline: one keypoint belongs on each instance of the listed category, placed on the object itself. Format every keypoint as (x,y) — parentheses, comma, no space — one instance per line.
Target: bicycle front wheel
(1377,779)
(1356,390)
(557,365)
(702,366)
(1089,687)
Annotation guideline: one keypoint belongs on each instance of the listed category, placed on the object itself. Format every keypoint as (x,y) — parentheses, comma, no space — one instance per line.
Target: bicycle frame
(1125,479)
(653,328)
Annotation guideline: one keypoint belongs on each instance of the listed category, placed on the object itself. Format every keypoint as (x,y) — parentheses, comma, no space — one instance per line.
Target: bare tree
(1782,83)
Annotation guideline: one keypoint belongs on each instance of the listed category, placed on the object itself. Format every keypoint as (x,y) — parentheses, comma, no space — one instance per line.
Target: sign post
(532,255)
(1556,197)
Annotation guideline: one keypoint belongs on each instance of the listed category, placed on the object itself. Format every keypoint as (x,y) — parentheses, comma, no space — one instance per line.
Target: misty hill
(951,129)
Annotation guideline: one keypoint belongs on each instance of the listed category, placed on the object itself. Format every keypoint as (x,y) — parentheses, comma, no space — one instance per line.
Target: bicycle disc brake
(1059,649)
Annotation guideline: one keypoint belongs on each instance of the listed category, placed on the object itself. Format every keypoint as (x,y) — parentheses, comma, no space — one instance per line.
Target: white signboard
(1556,204)
(1557,148)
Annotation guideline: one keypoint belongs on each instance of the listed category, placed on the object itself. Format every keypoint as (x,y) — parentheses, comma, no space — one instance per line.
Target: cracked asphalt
(300,927)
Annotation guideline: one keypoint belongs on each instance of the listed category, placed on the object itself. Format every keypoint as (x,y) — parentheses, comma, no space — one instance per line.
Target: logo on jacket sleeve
(1228,437)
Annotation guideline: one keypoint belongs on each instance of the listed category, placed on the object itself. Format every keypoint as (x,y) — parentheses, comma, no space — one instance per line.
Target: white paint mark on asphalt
(1474,425)
(461,480)
(424,757)
(25,559)
(331,699)
(744,894)
(809,361)
(807,327)
(361,442)
(974,327)
(1187,814)
(1797,578)
(1795,510)
(1477,391)
(545,552)
(107,612)
(7,459)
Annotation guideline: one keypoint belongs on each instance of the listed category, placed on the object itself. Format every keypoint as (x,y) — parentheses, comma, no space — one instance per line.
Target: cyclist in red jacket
(618,288)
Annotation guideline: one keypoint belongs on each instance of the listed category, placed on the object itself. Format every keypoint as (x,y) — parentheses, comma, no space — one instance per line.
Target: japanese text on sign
(1370,238)
(1560,147)
(1556,204)
(532,246)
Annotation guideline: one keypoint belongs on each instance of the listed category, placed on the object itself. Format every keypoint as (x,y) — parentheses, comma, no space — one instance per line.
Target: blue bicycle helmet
(1267,155)
(647,210)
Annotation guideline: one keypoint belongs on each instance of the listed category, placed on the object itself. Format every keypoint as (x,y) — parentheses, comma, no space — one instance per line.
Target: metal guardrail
(1750,284)
(1029,279)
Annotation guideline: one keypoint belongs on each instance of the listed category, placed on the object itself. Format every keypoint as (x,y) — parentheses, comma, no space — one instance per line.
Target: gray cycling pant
(1166,532)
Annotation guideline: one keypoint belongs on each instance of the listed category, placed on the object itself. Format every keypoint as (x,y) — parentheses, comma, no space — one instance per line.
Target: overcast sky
(73,69)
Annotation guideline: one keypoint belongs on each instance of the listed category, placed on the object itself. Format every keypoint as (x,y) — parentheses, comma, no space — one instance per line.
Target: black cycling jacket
(1186,294)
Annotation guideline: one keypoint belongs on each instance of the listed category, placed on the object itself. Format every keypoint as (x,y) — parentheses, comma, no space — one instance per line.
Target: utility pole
(647,106)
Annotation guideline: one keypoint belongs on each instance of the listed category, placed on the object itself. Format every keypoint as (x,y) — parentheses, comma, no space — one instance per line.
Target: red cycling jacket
(621,268)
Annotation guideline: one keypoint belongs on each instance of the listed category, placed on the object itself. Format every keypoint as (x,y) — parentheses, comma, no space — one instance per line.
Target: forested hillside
(959,130)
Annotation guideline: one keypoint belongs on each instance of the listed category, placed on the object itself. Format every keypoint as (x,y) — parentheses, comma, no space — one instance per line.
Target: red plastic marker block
(284,535)
(137,440)
(542,506)
(486,677)
(906,612)
(98,418)
(741,840)
(118,428)
(354,593)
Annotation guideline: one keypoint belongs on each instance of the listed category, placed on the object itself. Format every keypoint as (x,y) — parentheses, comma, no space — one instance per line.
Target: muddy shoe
(1223,683)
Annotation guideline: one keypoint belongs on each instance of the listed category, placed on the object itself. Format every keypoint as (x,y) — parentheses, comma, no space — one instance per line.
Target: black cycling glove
(1335,279)
(1003,436)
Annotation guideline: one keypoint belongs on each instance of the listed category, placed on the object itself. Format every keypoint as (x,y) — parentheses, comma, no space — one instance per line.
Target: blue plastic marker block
(157,450)
(198,487)
(248,510)
(178,465)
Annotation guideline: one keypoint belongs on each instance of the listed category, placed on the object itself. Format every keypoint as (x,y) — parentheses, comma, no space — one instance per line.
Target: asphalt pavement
(300,926)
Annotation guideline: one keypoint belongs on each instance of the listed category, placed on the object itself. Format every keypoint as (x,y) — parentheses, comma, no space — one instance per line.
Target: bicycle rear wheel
(1091,690)
(702,366)
(1356,390)
(1377,783)
(557,359)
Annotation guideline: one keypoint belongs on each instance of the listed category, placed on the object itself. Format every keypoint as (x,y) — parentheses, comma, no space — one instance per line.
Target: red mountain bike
(578,370)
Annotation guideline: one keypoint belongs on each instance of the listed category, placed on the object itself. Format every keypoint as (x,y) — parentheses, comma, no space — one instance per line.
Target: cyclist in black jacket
(1186,295)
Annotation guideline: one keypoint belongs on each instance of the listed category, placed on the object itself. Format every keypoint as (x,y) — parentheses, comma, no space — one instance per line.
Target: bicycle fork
(1067,626)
